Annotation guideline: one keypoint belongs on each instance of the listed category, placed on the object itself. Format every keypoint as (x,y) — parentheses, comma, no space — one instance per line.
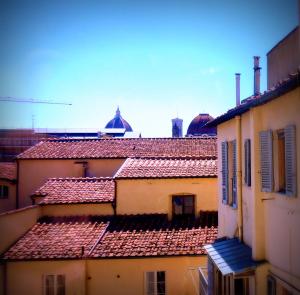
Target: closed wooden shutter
(290,160)
(225,172)
(247,170)
(234,178)
(266,160)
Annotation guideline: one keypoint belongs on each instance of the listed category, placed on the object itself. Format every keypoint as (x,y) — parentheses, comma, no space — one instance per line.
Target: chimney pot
(237,89)
(256,75)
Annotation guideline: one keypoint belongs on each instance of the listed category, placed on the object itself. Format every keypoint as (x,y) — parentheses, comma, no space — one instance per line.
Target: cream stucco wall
(14,224)
(34,173)
(10,202)
(77,209)
(26,278)
(282,213)
(270,220)
(140,196)
(181,275)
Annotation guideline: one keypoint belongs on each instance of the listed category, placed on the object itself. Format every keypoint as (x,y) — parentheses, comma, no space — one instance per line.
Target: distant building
(8,180)
(197,126)
(16,141)
(177,127)
(284,58)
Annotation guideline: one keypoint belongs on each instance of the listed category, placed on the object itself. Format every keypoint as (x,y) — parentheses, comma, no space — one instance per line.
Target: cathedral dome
(197,126)
(118,122)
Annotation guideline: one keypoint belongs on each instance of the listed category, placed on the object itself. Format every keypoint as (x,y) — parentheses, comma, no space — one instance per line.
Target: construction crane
(31,100)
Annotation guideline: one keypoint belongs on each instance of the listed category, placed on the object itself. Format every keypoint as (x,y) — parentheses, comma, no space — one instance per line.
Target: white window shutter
(224,147)
(266,160)
(290,160)
(234,178)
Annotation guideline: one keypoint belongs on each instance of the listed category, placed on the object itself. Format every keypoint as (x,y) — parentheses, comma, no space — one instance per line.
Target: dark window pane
(49,285)
(61,289)
(5,191)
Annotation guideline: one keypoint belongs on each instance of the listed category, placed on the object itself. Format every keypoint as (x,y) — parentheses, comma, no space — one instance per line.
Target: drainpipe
(17,185)
(239,177)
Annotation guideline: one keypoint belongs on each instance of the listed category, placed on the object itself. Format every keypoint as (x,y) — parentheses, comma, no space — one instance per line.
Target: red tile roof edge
(163,177)
(101,218)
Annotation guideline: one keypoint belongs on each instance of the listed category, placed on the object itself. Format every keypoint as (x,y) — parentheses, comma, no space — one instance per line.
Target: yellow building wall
(10,202)
(126,276)
(270,220)
(34,173)
(14,224)
(77,209)
(282,213)
(106,276)
(141,196)
(26,278)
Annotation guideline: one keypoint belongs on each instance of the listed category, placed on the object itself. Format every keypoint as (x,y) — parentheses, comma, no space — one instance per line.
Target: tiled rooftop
(59,238)
(167,168)
(153,235)
(77,190)
(8,170)
(111,237)
(123,148)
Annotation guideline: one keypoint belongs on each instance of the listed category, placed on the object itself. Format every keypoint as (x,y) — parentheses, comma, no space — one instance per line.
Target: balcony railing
(203,284)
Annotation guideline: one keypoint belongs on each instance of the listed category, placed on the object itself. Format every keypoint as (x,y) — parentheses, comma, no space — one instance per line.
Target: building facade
(258,188)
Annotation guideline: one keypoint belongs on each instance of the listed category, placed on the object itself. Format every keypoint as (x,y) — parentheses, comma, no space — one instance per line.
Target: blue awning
(231,256)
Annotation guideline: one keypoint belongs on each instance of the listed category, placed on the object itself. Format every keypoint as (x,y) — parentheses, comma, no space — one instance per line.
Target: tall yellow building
(258,186)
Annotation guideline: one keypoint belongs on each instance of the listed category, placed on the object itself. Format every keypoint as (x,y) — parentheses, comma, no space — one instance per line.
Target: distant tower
(177,127)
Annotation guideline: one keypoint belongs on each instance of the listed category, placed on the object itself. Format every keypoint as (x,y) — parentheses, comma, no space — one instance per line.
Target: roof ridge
(80,178)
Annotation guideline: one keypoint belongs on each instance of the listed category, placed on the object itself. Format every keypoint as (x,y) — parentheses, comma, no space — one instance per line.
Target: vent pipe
(256,76)
(237,89)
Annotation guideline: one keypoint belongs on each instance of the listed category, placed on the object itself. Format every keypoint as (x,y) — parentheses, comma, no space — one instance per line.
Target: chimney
(237,89)
(256,76)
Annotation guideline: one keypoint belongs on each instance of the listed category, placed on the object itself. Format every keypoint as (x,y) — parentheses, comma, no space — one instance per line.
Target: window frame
(281,155)
(155,282)
(56,283)
(4,191)
(229,173)
(183,197)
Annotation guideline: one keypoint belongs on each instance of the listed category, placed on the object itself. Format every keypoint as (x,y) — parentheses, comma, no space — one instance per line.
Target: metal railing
(203,284)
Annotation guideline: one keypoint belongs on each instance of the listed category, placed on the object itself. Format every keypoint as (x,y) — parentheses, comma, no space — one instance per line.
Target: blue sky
(153,59)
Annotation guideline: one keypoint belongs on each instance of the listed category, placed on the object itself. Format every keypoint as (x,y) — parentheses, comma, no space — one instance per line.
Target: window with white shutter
(155,283)
(266,160)
(54,284)
(224,147)
(247,162)
(290,160)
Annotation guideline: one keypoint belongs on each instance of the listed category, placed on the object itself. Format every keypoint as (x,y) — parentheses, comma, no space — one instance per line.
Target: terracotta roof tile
(59,238)
(153,235)
(112,236)
(8,170)
(167,168)
(77,190)
(123,148)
